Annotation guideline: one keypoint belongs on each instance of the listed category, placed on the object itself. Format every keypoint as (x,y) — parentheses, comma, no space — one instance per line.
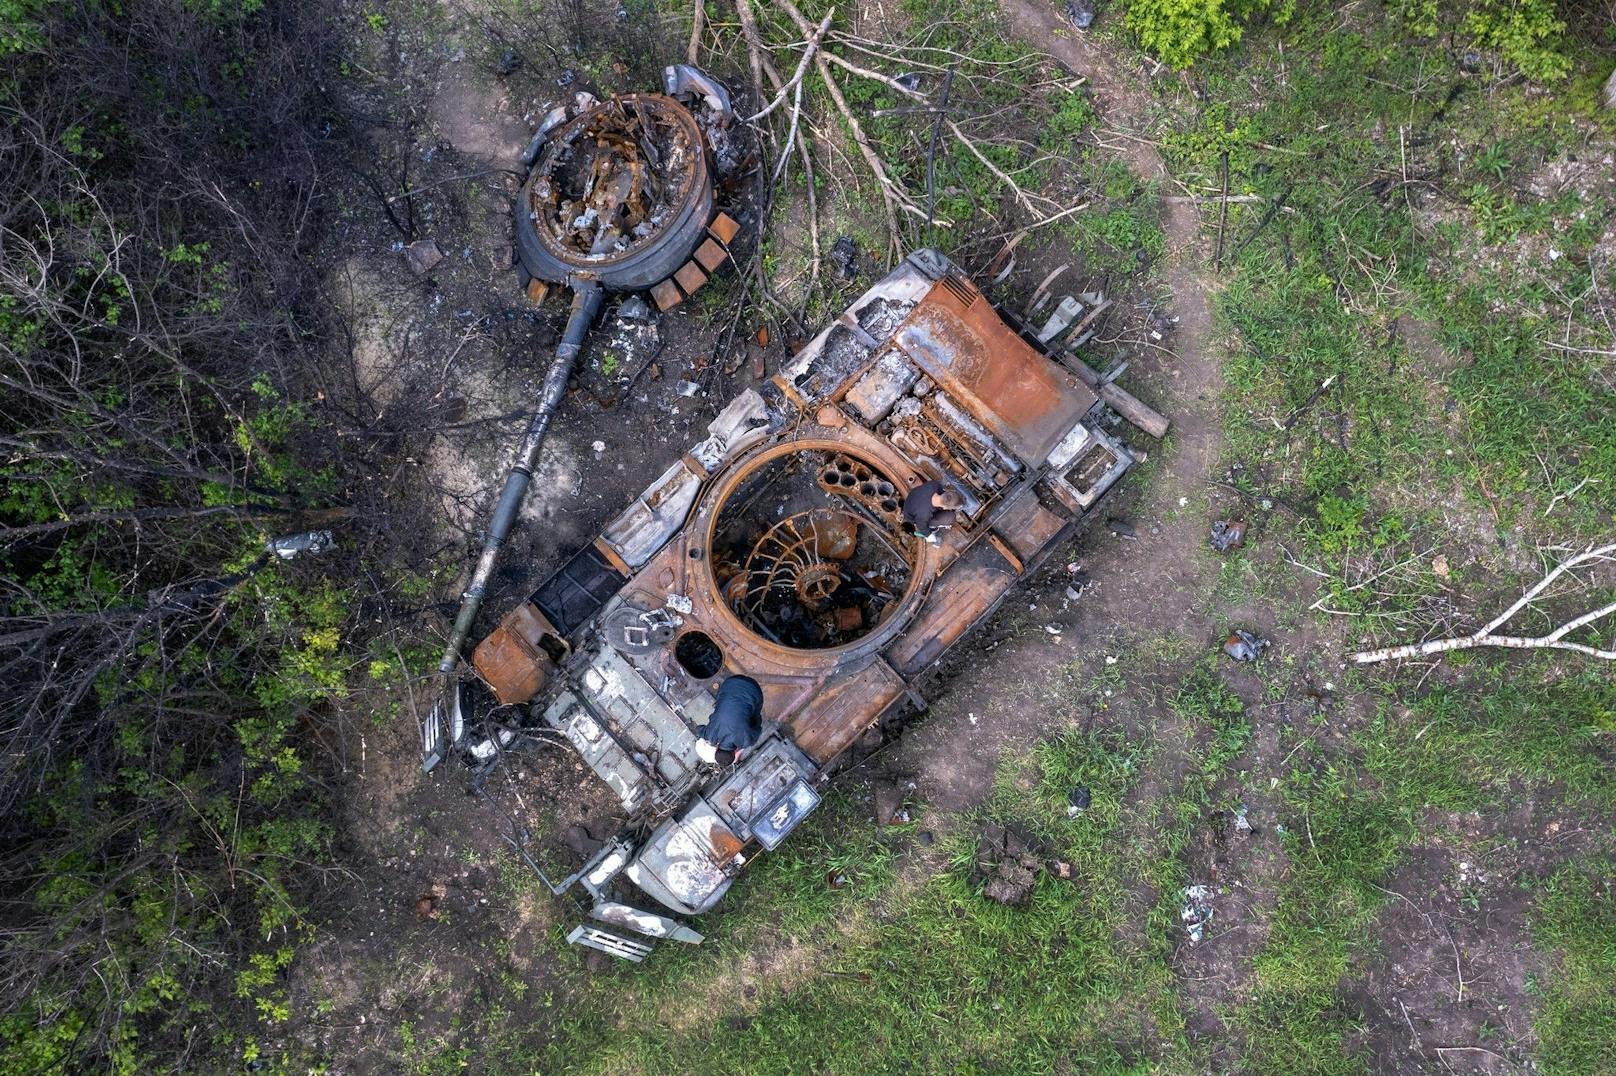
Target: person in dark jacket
(931,507)
(736,724)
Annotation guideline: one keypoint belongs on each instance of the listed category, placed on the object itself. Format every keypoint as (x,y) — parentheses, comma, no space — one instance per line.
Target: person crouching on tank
(736,724)
(931,507)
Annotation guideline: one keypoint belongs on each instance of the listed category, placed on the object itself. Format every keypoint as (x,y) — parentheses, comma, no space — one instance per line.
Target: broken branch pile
(825,57)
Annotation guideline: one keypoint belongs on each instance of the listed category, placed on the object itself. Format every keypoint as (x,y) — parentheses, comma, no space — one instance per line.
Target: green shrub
(1526,33)
(1182,31)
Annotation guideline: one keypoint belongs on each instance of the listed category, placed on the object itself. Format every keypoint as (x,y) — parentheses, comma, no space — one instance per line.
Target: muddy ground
(443,917)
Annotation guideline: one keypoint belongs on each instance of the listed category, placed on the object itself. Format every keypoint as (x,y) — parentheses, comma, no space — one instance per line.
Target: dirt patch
(477,119)
(1450,975)
(1147,560)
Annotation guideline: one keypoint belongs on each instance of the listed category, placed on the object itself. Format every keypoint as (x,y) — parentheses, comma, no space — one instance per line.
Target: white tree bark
(1484,636)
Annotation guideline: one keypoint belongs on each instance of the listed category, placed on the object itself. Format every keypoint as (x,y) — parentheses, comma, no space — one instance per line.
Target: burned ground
(1422,875)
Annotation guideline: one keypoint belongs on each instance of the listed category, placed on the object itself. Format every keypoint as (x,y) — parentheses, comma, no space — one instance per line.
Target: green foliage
(1527,33)
(1183,31)
(19,26)
(1074,115)
(165,689)
(1416,17)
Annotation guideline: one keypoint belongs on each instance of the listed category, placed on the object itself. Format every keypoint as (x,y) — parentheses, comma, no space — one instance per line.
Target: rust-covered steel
(619,196)
(775,549)
(622,191)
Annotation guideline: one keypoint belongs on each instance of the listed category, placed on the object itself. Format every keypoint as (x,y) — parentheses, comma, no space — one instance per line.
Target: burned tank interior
(606,187)
(809,550)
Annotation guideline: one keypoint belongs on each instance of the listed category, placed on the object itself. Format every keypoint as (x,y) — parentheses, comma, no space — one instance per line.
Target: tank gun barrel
(586,300)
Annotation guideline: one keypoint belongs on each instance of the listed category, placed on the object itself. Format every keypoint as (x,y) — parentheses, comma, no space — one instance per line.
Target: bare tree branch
(1484,636)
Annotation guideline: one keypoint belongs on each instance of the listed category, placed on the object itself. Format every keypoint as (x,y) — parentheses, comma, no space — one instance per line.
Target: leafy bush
(1526,33)
(161,803)
(1182,31)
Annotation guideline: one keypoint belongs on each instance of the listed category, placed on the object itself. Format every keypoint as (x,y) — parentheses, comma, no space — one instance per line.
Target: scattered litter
(763,336)
(1078,801)
(1110,659)
(1121,528)
(1197,911)
(909,80)
(680,604)
(508,63)
(1242,824)
(422,256)
(1055,628)
(843,255)
(1228,534)
(1439,565)
(1062,869)
(1072,594)
(1080,13)
(598,447)
(687,388)
(1183,502)
(1242,645)
(295,545)
(836,879)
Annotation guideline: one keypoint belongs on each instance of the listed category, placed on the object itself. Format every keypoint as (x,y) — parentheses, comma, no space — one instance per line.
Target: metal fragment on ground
(1066,312)
(1242,645)
(843,257)
(295,545)
(1197,911)
(1228,534)
(422,256)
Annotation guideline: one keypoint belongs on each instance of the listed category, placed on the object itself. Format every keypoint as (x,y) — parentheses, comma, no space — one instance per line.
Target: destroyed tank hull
(775,548)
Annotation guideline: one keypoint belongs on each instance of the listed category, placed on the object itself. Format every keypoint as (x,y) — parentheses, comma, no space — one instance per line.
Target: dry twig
(891,197)
(802,69)
(1485,636)
(698,19)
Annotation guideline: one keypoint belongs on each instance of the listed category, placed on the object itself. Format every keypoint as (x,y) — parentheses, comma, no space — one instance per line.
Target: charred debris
(776,547)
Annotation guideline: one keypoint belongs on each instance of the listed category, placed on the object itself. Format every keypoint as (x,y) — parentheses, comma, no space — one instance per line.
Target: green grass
(909,968)
(1575,921)
(1348,822)
(1507,422)
(942,979)
(1464,746)
(1341,840)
